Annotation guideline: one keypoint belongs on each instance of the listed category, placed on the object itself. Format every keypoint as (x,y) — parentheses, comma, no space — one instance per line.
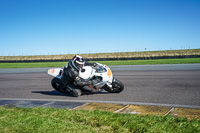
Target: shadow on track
(53,93)
(56,93)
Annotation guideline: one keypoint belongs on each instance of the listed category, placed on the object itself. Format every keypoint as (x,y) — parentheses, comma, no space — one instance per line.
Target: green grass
(32,65)
(158,61)
(34,120)
(120,62)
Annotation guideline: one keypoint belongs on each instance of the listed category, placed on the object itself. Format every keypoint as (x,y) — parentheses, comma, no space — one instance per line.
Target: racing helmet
(78,62)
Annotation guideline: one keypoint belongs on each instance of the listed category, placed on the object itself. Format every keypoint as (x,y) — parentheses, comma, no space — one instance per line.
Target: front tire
(117,87)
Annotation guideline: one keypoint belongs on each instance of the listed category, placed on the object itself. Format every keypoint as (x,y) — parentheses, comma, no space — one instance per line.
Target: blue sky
(43,27)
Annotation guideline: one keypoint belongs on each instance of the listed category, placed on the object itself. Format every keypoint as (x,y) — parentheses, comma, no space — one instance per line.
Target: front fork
(109,83)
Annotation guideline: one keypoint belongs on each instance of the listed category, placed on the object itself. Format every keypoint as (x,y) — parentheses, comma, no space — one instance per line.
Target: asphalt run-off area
(171,89)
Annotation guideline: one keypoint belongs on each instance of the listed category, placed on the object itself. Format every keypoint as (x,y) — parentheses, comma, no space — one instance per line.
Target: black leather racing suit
(70,76)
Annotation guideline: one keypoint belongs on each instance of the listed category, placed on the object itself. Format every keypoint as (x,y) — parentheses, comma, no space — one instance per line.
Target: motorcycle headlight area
(100,69)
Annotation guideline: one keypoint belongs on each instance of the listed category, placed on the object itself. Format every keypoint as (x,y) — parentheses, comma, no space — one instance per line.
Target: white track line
(114,102)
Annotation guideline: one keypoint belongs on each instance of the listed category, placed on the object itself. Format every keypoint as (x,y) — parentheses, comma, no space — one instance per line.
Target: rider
(70,75)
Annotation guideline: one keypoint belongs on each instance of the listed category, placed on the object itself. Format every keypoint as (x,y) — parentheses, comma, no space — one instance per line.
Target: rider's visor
(80,65)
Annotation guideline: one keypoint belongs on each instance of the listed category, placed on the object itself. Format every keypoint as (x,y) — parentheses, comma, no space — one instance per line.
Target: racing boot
(73,90)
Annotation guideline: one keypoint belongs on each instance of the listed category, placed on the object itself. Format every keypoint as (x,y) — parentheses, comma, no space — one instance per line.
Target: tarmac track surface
(176,85)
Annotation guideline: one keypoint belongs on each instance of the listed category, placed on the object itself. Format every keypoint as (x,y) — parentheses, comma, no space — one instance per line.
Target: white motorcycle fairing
(101,73)
(55,72)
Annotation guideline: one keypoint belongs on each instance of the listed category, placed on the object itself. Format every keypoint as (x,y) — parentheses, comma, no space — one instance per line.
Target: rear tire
(57,85)
(117,87)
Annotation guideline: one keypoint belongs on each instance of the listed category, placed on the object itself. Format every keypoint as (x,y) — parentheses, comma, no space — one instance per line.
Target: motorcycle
(101,74)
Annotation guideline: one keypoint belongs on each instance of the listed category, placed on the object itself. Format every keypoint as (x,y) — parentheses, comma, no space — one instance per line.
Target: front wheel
(117,87)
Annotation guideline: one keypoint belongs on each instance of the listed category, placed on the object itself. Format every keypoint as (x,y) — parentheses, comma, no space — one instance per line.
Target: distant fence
(104,59)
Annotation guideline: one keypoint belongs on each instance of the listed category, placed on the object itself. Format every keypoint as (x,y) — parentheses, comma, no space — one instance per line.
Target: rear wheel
(117,87)
(57,85)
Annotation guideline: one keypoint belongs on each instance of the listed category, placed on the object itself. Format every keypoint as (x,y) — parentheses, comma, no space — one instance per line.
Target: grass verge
(152,62)
(39,119)
(120,62)
(144,54)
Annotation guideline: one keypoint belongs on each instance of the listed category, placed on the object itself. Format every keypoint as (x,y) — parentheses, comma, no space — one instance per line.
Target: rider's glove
(95,64)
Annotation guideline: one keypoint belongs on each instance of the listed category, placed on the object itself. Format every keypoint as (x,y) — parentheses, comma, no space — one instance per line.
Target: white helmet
(78,62)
